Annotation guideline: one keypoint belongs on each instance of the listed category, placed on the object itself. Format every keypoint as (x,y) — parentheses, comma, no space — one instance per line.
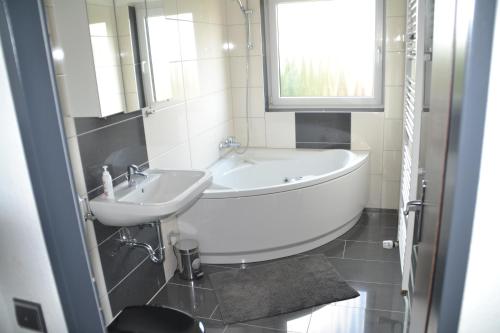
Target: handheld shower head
(243,9)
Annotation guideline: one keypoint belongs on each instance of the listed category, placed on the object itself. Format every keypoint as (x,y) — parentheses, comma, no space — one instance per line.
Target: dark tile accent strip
(120,179)
(84,125)
(323,130)
(118,261)
(322,145)
(138,287)
(103,231)
(117,146)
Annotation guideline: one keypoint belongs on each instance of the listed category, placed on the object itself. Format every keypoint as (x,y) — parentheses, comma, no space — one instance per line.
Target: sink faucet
(132,173)
(229,142)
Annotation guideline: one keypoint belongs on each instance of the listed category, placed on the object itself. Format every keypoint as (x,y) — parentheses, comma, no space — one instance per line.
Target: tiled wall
(382,132)
(378,132)
(186,133)
(183,133)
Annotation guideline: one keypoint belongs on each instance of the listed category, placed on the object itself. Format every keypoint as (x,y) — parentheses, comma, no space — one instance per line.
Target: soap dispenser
(107,183)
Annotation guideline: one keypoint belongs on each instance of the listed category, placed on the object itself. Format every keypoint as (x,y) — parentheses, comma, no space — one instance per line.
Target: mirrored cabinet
(117,55)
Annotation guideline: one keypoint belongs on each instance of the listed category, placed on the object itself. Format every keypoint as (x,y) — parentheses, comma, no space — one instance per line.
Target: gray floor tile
(368,271)
(332,249)
(374,219)
(242,328)
(195,301)
(370,251)
(253,264)
(375,296)
(333,319)
(370,233)
(216,315)
(213,326)
(203,282)
(295,322)
(138,288)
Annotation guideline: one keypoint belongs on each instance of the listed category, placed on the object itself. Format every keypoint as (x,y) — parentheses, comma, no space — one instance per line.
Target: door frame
(466,104)
(28,57)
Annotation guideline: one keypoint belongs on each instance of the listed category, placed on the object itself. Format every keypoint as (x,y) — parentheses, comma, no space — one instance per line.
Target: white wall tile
(238,42)
(257,131)
(76,166)
(393,131)
(122,19)
(395,33)
(280,129)
(208,11)
(170,264)
(178,158)
(375,192)
(392,165)
(69,126)
(57,52)
(205,147)
(367,132)
(394,68)
(238,74)
(208,111)
(390,194)
(234,15)
(395,8)
(205,76)
(62,94)
(95,263)
(101,20)
(201,40)
(257,102)
(393,102)
(165,129)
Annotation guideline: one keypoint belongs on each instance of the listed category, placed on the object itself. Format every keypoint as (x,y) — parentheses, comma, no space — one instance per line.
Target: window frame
(272,80)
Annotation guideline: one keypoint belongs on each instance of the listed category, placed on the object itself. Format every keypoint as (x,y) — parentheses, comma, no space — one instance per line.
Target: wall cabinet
(101,64)
(118,55)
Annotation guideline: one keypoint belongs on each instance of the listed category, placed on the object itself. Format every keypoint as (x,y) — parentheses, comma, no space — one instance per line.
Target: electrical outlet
(29,315)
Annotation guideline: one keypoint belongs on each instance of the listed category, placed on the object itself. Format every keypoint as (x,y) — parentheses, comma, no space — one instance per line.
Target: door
(457,94)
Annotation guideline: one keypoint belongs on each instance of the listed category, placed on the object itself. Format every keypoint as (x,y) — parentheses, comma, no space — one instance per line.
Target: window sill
(326,110)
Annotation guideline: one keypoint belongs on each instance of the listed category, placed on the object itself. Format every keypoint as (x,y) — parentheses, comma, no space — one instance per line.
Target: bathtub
(271,203)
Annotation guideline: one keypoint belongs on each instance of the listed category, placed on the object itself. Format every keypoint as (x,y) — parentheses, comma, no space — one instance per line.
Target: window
(324,54)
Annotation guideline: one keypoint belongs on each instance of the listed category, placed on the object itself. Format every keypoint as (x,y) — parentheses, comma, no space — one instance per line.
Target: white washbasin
(161,194)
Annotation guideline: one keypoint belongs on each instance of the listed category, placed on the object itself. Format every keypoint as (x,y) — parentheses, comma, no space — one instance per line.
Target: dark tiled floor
(358,256)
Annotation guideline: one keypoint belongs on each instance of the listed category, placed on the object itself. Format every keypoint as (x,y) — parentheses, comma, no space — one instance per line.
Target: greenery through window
(324,53)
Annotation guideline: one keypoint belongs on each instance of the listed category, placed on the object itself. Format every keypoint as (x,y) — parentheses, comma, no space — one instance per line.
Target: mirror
(116,51)
(133,60)
(164,52)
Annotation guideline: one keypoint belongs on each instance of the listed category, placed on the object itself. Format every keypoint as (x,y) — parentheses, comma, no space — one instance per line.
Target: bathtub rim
(337,173)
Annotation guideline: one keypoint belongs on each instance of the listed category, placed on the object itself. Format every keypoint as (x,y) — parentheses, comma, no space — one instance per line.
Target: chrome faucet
(229,142)
(132,173)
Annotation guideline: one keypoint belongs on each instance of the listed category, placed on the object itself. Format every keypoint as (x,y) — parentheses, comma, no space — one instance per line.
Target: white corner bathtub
(271,203)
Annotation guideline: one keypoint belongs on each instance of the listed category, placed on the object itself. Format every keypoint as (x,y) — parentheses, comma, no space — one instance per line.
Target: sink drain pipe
(155,255)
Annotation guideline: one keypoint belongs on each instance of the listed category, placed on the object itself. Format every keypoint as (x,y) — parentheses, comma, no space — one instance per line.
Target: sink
(161,194)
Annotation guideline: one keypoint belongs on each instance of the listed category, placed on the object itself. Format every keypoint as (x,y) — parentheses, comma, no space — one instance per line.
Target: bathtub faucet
(229,142)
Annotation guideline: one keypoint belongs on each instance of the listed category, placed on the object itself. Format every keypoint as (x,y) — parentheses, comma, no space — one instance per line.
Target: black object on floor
(154,319)
(279,287)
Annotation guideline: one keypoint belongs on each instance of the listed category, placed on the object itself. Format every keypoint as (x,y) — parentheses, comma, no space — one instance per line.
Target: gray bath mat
(279,287)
